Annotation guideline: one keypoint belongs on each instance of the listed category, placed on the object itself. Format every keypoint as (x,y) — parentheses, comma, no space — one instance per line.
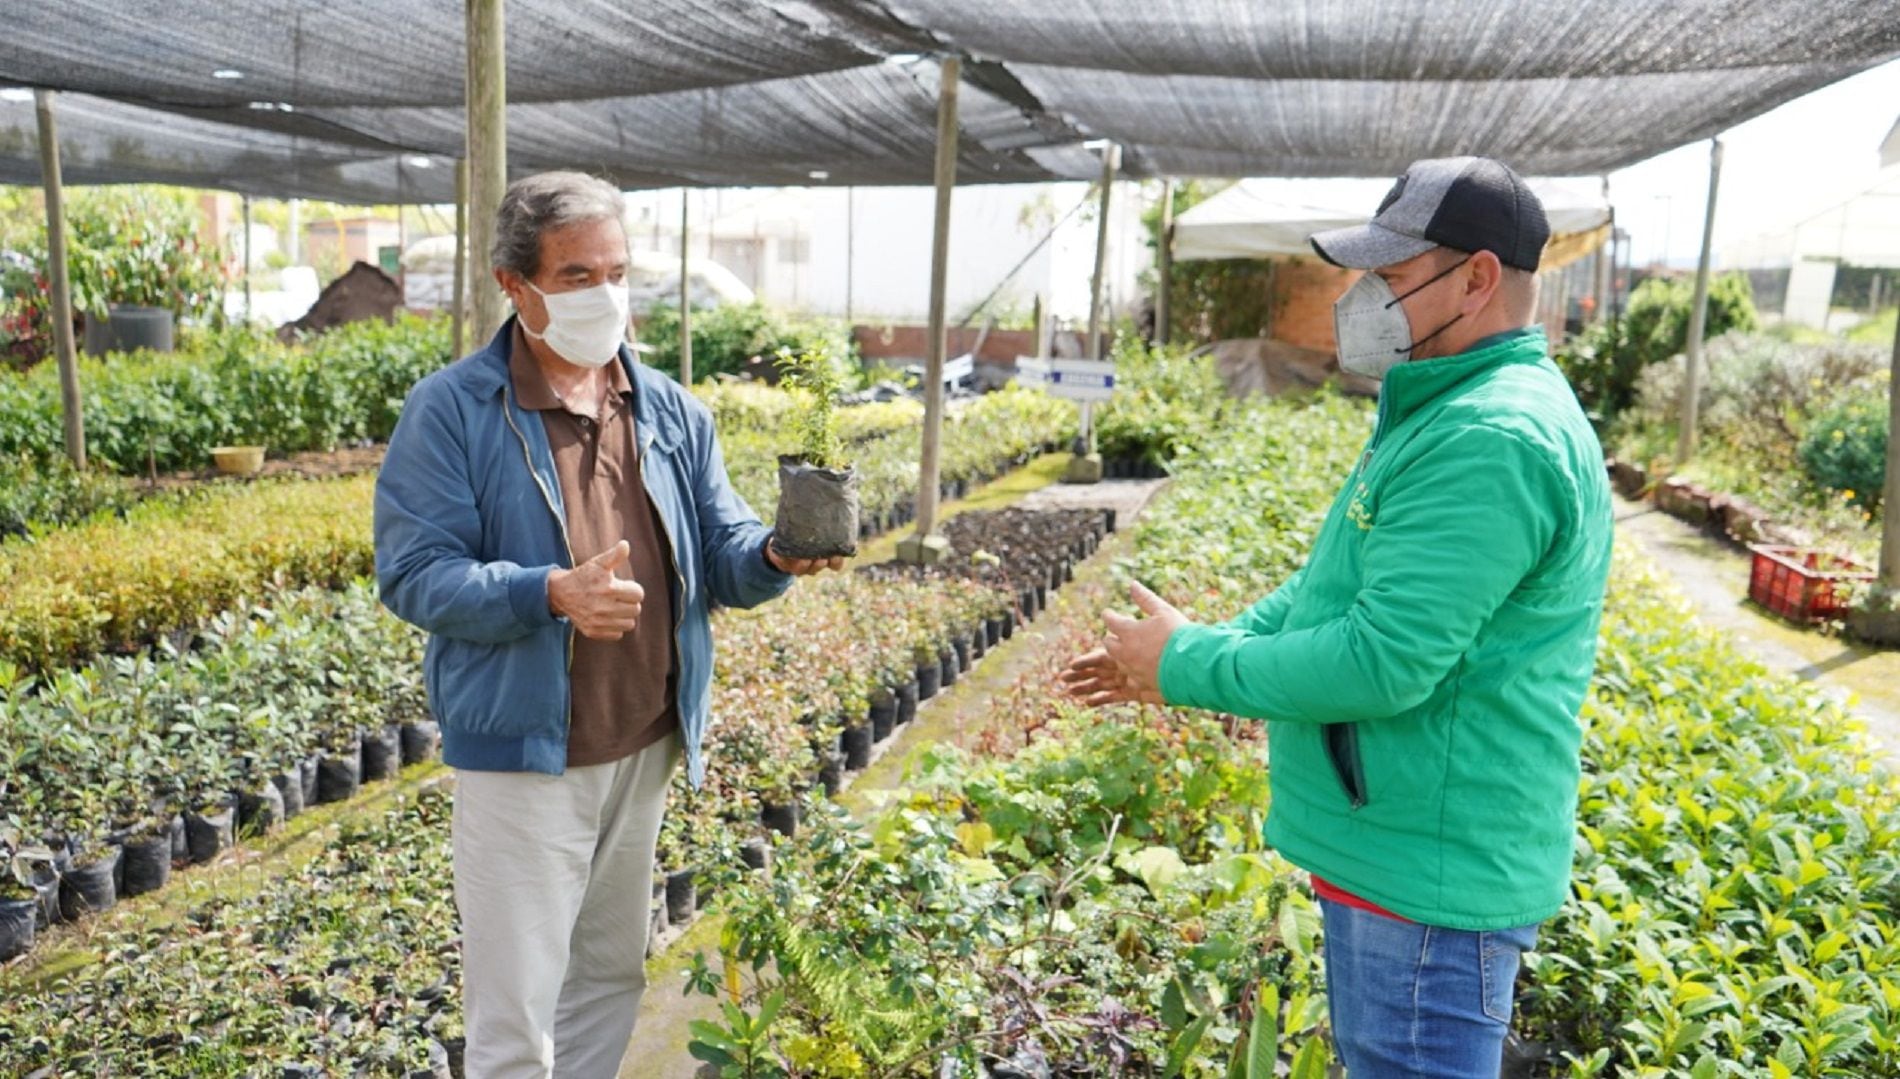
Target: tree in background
(131,244)
(1606,360)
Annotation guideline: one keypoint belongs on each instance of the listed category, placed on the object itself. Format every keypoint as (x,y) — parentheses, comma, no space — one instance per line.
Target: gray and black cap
(1464,203)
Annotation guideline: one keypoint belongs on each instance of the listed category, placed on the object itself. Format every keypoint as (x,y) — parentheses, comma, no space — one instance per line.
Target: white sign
(957,370)
(1077,380)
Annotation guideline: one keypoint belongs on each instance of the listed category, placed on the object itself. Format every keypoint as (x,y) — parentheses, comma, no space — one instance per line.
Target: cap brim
(1367,247)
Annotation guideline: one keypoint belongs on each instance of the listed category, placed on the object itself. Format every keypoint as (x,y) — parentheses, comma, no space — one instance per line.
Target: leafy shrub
(172,563)
(235,386)
(1760,399)
(1165,401)
(134,244)
(1846,450)
(38,496)
(1605,362)
(726,338)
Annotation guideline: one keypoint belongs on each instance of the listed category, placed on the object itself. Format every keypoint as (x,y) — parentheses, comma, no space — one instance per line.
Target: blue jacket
(470,522)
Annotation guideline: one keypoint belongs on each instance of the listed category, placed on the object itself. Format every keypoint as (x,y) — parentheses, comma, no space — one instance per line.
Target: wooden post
(1698,317)
(245,203)
(487,156)
(295,239)
(58,281)
(458,303)
(1890,494)
(925,546)
(686,299)
(1164,261)
(1111,157)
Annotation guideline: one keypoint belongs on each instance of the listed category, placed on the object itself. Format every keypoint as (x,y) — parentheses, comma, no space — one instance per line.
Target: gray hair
(534,205)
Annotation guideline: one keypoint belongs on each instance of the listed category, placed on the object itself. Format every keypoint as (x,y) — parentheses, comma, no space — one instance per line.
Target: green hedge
(234,387)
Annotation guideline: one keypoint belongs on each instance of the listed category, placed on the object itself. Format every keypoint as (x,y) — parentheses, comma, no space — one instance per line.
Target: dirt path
(956,716)
(1714,577)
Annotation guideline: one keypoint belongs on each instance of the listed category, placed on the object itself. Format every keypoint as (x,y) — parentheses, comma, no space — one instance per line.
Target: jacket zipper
(672,563)
(528,457)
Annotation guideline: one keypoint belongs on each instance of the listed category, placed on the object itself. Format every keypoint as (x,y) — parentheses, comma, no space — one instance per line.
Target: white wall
(867,252)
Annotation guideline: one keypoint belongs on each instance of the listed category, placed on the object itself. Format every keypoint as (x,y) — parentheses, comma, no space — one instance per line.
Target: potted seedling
(818,488)
(20,892)
(679,867)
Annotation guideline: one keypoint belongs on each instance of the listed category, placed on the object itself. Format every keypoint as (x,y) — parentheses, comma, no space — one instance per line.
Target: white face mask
(586,327)
(1371,330)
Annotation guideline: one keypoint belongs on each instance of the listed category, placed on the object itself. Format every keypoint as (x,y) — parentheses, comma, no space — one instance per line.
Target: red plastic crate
(1803,585)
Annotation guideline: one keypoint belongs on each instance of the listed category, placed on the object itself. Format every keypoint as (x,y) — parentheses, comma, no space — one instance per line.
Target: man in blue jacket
(557,516)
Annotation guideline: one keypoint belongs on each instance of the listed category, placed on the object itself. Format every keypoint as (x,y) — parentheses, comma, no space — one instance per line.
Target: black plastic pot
(181,848)
(681,898)
(755,852)
(960,648)
(998,629)
(929,680)
(1042,598)
(145,864)
(290,790)
(261,810)
(340,775)
(421,741)
(947,661)
(883,718)
(208,834)
(1026,600)
(831,772)
(856,744)
(817,510)
(979,642)
(1108,520)
(382,753)
(89,888)
(907,702)
(46,886)
(781,817)
(309,769)
(17,923)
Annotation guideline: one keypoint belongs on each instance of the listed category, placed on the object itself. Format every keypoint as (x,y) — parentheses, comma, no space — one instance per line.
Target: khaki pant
(554,882)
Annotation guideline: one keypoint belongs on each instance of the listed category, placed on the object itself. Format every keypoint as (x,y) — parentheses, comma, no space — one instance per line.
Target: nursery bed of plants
(1078,894)
(807,686)
(120,582)
(1072,911)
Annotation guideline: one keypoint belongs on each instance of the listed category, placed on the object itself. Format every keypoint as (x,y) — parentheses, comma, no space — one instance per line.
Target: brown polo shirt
(623,691)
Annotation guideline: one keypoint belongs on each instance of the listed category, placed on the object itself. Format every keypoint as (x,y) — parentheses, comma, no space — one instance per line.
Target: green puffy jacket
(1423,672)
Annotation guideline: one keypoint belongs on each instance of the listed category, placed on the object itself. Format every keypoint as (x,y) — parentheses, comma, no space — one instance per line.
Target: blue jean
(1413,1001)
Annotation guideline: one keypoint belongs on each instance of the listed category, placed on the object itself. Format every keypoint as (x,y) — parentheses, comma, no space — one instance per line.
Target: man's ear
(1484,275)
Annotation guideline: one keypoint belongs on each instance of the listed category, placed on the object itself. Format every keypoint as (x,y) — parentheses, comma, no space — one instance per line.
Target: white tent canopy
(1272,218)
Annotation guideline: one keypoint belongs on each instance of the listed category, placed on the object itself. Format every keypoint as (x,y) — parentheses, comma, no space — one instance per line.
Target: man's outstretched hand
(799,567)
(1127,668)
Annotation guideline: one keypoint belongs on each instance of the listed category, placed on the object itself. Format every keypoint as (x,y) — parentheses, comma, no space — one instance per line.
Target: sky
(1777,168)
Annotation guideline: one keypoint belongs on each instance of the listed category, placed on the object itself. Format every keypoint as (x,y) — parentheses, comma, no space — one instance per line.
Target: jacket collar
(657,409)
(1410,386)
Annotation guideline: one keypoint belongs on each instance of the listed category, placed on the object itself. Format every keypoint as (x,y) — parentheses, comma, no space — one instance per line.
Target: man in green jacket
(1421,675)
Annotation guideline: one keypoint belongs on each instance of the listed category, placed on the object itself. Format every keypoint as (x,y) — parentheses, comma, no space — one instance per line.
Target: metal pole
(924,545)
(487,155)
(1890,495)
(1164,261)
(245,202)
(1698,316)
(1111,157)
(58,283)
(1605,255)
(686,306)
(458,302)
